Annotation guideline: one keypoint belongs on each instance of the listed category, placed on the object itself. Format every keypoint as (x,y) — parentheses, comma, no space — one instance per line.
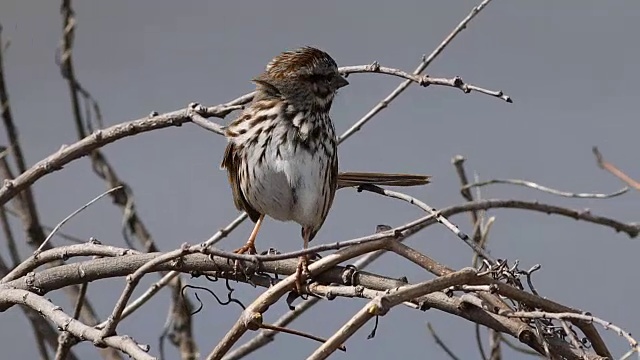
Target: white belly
(287,186)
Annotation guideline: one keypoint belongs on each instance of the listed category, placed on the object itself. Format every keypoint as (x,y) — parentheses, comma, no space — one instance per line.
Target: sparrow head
(307,76)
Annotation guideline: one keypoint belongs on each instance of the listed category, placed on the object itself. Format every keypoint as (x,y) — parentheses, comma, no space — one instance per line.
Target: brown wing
(331,178)
(231,162)
(349,179)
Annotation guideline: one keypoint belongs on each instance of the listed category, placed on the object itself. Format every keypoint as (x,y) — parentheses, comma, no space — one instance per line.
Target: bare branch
(92,248)
(405,84)
(42,331)
(55,314)
(440,343)
(167,278)
(264,337)
(424,80)
(574,317)
(98,139)
(55,229)
(26,205)
(437,216)
(252,316)
(382,304)
(61,276)
(181,310)
(614,170)
(66,340)
(533,185)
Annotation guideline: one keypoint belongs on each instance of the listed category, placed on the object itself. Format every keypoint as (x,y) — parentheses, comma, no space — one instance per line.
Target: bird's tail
(351,179)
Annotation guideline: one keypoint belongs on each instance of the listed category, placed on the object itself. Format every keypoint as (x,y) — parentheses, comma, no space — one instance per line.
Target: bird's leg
(250,245)
(302,272)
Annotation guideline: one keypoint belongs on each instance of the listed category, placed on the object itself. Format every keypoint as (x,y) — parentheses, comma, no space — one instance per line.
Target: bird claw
(246,248)
(302,274)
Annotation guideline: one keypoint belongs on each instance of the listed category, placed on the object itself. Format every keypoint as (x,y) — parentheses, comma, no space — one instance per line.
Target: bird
(281,156)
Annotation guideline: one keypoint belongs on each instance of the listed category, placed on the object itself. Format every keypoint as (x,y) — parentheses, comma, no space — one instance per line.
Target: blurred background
(570,67)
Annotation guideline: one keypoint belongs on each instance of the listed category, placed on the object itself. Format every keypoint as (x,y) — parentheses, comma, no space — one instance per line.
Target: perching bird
(282,158)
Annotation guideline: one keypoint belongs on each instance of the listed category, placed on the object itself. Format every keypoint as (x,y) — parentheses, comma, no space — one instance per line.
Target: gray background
(570,66)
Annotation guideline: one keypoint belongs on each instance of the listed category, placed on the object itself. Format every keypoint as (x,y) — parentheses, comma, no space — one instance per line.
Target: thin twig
(573,338)
(478,336)
(424,80)
(533,185)
(297,333)
(440,343)
(64,221)
(517,348)
(437,216)
(603,164)
(132,281)
(579,318)
(405,84)
(26,205)
(8,235)
(48,229)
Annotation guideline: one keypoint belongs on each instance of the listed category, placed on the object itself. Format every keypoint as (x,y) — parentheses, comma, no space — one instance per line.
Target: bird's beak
(341,82)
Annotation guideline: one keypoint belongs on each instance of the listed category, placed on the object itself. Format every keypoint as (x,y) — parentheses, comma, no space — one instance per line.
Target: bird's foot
(302,273)
(249,247)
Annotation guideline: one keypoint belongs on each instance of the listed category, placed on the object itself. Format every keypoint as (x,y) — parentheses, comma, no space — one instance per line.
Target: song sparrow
(281,156)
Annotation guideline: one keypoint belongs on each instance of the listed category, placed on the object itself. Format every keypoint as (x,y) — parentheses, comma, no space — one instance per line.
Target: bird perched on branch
(281,156)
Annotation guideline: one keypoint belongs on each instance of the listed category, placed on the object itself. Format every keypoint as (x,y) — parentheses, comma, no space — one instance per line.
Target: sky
(570,67)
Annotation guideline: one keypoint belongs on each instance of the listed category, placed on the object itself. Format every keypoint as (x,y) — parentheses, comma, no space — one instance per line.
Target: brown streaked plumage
(281,158)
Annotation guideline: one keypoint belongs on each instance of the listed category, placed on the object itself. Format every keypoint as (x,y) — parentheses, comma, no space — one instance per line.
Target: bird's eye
(320,78)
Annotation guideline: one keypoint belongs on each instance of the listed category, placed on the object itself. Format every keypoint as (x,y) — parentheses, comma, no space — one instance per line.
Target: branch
(587,318)
(614,170)
(26,204)
(65,322)
(92,248)
(266,336)
(545,189)
(405,84)
(76,212)
(51,279)
(42,330)
(382,304)
(168,277)
(414,226)
(508,291)
(440,343)
(100,138)
(252,316)
(631,229)
(441,219)
(424,80)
